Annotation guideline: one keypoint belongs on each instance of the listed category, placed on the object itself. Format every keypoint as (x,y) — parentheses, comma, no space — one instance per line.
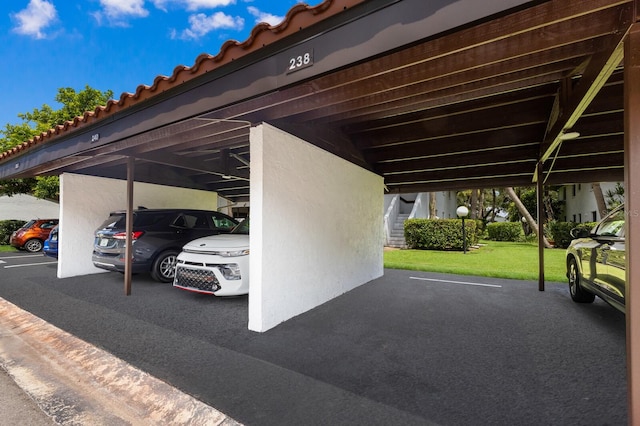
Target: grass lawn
(493,259)
(7,248)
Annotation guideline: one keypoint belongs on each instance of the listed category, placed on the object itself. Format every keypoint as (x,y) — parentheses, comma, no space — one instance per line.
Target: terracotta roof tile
(298,17)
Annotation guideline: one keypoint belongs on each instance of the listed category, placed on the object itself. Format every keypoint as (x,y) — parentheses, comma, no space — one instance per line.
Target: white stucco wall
(583,203)
(26,207)
(85,202)
(316,227)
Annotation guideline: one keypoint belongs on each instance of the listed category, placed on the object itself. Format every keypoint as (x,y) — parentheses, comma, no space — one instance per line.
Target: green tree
(615,196)
(529,198)
(483,204)
(33,123)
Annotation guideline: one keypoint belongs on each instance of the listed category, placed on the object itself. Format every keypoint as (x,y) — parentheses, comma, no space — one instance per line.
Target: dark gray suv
(158,237)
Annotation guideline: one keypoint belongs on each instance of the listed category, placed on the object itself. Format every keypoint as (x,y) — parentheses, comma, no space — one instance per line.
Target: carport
(322,110)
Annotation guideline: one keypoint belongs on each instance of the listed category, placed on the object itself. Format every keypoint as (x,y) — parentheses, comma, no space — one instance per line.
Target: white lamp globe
(462,211)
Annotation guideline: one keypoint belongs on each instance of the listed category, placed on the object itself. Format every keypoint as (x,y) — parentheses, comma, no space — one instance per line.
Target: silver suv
(596,261)
(158,236)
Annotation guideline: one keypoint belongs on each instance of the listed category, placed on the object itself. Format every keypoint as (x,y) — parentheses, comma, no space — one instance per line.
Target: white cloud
(264,16)
(201,24)
(192,5)
(38,15)
(118,11)
(207,4)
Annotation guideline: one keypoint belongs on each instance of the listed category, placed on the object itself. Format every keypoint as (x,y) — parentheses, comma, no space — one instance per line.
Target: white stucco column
(316,227)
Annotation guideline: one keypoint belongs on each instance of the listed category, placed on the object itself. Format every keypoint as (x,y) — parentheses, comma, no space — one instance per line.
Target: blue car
(50,247)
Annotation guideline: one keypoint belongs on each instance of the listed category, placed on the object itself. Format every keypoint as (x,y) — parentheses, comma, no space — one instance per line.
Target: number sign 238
(300,61)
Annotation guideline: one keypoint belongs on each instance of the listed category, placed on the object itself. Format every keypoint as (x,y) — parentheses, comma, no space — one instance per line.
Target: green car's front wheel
(578,294)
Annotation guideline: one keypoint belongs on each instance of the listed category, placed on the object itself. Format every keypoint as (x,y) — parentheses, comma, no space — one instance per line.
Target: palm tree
(525,214)
(597,193)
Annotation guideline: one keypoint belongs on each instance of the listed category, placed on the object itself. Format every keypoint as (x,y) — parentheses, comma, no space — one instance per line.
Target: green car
(596,262)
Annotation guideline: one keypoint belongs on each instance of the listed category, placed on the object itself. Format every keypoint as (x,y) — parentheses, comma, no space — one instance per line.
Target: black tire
(33,245)
(164,267)
(578,294)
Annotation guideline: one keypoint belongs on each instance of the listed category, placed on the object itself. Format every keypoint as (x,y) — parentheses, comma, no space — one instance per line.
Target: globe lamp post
(462,213)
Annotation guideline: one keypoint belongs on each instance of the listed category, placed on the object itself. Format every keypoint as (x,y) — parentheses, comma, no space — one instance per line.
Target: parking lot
(408,348)
(24,260)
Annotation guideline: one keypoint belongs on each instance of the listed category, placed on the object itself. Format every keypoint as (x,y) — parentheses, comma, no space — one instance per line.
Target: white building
(400,207)
(580,202)
(26,207)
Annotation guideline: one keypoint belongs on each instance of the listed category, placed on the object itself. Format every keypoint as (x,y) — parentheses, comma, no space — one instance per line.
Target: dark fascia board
(367,30)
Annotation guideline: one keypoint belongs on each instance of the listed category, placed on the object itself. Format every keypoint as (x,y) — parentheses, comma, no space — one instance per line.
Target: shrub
(586,225)
(439,234)
(6,229)
(504,231)
(560,231)
(481,229)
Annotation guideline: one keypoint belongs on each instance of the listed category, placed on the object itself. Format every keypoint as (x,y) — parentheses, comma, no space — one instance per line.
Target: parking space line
(29,264)
(455,282)
(21,256)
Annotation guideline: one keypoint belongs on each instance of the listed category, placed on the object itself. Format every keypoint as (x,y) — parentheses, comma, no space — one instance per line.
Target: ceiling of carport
(476,106)
(200,153)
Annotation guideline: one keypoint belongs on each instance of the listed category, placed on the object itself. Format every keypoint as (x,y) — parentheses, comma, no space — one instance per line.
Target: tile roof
(297,18)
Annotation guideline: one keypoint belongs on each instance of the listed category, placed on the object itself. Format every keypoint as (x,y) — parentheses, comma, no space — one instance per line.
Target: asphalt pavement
(407,348)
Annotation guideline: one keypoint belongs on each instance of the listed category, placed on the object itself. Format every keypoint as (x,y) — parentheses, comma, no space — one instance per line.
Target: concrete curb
(77,384)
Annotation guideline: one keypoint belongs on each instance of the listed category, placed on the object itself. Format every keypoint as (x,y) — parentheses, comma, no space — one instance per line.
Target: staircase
(397,232)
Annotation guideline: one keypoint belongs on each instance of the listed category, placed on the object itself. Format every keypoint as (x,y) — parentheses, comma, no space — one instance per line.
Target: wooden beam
(454,173)
(480,157)
(492,140)
(500,116)
(193,164)
(595,76)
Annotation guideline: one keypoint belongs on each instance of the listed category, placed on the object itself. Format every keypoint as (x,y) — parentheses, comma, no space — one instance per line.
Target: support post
(129,227)
(632,211)
(540,194)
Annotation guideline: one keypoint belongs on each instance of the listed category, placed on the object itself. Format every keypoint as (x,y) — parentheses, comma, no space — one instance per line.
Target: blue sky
(112,44)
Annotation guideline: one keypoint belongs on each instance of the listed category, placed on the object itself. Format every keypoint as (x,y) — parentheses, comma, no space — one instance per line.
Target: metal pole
(464,238)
